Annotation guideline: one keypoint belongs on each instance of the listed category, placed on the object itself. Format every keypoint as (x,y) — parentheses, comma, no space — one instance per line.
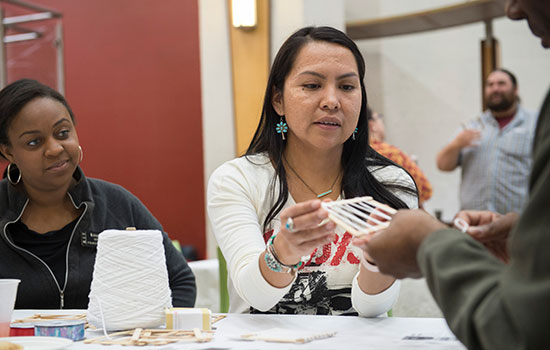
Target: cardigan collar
(79,192)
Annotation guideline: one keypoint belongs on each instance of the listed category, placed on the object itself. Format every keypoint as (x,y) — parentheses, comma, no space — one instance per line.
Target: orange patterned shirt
(400,158)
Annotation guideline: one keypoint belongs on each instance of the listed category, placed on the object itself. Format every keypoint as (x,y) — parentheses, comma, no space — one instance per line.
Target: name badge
(88,239)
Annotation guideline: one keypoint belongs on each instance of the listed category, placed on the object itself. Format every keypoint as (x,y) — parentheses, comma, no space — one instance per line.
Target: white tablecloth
(207,279)
(352,333)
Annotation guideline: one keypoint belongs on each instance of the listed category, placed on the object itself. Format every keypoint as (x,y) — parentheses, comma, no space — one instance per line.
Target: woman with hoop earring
(51,214)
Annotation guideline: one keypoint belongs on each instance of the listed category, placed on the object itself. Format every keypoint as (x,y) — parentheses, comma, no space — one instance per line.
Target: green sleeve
(464,280)
(489,304)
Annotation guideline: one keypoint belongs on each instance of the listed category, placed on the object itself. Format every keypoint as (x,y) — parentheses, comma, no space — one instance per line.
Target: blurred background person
(377,136)
(494,150)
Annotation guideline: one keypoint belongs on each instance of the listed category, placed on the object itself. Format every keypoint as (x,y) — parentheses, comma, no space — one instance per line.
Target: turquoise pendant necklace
(320,195)
(324,193)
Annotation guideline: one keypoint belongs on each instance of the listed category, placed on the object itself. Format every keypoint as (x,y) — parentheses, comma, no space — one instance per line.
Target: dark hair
(16,95)
(356,155)
(369,113)
(510,74)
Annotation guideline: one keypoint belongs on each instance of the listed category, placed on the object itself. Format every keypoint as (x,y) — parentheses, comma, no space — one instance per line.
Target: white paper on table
(281,335)
(444,337)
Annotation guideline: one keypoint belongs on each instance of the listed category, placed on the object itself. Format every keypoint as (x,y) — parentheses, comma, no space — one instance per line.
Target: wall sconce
(244,13)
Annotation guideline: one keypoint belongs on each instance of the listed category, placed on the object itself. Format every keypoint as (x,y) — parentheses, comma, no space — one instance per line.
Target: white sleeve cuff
(368,305)
(256,291)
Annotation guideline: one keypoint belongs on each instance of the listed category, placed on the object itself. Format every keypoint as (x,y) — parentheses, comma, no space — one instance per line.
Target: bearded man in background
(494,150)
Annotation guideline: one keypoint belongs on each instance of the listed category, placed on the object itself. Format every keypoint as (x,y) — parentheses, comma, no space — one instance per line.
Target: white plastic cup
(8,292)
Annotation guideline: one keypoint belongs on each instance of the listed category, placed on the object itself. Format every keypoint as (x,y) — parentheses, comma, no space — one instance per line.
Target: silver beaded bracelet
(272,260)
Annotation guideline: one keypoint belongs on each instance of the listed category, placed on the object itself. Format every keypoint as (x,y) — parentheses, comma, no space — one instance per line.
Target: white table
(352,333)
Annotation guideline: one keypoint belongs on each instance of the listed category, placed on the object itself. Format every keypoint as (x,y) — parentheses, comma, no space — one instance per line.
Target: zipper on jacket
(61,291)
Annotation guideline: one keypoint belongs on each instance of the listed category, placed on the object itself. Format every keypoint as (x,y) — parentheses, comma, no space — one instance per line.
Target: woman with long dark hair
(311,144)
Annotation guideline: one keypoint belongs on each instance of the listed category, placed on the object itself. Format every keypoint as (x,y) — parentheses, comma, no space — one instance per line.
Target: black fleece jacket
(105,206)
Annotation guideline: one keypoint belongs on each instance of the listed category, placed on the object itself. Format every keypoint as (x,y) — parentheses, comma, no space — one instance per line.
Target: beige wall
(217,94)
(287,16)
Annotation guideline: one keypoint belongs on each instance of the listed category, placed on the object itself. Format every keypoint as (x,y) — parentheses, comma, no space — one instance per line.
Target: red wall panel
(133,81)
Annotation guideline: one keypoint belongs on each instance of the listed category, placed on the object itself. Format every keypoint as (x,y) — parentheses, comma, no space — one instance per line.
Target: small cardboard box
(188,318)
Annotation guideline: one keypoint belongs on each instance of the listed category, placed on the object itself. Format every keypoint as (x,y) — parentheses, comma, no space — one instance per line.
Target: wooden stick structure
(47,317)
(136,337)
(142,337)
(279,335)
(360,215)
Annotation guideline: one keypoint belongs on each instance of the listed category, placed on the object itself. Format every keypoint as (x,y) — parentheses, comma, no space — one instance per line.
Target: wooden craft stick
(45,317)
(218,318)
(98,339)
(272,340)
(140,337)
(137,334)
(197,333)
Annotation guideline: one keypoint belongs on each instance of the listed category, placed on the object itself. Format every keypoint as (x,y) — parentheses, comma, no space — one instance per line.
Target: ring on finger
(289,225)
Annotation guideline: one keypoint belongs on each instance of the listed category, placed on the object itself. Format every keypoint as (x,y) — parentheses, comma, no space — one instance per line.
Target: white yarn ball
(130,286)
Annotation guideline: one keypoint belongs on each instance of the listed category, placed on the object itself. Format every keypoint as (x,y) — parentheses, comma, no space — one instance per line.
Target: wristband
(369,265)
(274,263)
(461,224)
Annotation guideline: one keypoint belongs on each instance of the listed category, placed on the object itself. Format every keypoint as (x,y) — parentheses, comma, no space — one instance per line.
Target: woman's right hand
(306,234)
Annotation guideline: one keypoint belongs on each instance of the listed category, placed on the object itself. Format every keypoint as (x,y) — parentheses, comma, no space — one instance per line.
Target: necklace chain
(320,195)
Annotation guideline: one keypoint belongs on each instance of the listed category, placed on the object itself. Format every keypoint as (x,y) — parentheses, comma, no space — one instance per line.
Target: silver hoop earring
(81,154)
(9,175)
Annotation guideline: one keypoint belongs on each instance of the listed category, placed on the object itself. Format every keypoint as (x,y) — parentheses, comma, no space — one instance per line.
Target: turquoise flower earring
(354,133)
(282,128)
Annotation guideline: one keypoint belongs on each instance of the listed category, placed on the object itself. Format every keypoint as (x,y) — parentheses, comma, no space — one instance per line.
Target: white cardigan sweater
(239,198)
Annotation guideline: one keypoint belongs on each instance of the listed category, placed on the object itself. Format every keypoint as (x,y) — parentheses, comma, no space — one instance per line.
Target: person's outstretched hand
(491,229)
(394,249)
